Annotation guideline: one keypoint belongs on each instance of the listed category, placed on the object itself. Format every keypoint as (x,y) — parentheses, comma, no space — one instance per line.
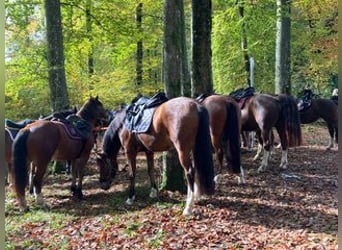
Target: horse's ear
(97,98)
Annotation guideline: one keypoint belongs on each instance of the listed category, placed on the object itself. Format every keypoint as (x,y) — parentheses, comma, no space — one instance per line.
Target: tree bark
(139,53)
(175,76)
(55,56)
(201,78)
(90,37)
(244,46)
(283,48)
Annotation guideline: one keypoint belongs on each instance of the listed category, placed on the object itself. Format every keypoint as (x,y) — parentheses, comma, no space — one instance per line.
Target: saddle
(140,112)
(14,127)
(17,125)
(242,95)
(305,102)
(202,97)
(76,127)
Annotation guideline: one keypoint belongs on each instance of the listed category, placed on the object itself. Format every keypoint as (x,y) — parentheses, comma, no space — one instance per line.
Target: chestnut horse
(325,109)
(262,112)
(42,141)
(225,127)
(179,123)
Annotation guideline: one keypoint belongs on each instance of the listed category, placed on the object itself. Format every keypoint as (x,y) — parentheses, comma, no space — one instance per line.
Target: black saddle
(202,97)
(140,112)
(242,93)
(17,125)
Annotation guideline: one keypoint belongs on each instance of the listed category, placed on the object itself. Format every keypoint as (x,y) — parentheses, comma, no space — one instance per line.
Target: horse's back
(326,109)
(50,138)
(173,121)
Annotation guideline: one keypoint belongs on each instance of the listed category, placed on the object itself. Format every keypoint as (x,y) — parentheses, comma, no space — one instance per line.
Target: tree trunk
(175,75)
(90,37)
(139,53)
(244,46)
(283,51)
(202,81)
(55,56)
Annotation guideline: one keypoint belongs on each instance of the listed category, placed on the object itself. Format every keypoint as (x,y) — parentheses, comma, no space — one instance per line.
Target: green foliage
(113,34)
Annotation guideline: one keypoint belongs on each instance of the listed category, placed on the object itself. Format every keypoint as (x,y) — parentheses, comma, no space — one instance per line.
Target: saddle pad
(140,123)
(12,131)
(71,131)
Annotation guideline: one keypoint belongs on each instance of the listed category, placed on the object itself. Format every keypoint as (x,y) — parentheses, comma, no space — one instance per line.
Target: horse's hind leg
(150,169)
(37,181)
(192,190)
(331,130)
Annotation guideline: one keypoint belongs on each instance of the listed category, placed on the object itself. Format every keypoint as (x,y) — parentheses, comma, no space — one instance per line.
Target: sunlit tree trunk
(244,46)
(283,49)
(174,59)
(201,77)
(90,37)
(55,56)
(139,53)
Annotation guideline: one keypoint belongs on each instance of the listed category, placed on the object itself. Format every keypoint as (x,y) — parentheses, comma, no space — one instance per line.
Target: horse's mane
(111,136)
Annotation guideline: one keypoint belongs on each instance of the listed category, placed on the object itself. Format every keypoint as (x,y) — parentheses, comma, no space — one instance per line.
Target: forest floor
(278,209)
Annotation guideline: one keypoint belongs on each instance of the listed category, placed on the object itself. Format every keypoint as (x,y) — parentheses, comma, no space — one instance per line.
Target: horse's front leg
(131,157)
(150,169)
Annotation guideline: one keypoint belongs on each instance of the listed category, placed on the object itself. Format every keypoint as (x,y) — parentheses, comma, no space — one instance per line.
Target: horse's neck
(87,117)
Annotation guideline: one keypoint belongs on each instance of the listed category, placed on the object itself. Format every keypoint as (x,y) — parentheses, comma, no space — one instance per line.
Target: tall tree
(244,46)
(174,62)
(139,55)
(283,50)
(55,55)
(201,67)
(90,37)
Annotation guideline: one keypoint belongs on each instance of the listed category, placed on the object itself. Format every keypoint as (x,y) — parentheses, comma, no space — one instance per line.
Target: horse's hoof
(153,193)
(261,169)
(187,212)
(130,201)
(241,180)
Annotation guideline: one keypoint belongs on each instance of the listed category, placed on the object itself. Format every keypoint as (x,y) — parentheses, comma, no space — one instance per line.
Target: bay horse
(42,141)
(325,109)
(225,128)
(262,112)
(179,123)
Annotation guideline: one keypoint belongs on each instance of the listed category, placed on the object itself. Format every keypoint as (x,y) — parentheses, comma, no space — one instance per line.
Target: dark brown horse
(325,109)
(8,155)
(42,141)
(179,123)
(225,127)
(262,112)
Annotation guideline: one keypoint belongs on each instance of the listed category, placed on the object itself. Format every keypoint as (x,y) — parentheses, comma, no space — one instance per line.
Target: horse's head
(107,171)
(93,110)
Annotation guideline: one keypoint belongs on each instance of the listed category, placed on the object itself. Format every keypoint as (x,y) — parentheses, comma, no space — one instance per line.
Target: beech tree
(55,55)
(175,75)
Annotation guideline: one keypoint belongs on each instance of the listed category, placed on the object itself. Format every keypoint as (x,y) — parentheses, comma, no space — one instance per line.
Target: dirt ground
(277,209)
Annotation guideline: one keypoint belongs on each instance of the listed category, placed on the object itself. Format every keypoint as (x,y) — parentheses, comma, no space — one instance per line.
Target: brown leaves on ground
(278,209)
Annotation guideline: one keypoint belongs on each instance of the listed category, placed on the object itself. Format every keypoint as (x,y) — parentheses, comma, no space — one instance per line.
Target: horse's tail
(203,158)
(20,162)
(291,120)
(231,134)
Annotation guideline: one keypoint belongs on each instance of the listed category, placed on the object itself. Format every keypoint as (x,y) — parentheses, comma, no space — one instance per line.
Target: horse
(262,112)
(225,128)
(8,156)
(42,141)
(326,109)
(180,123)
